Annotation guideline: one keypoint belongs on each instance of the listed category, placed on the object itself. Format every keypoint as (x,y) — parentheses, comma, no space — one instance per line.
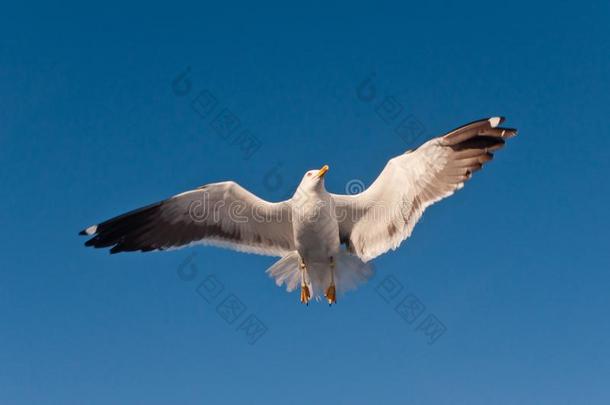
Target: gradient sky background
(515,265)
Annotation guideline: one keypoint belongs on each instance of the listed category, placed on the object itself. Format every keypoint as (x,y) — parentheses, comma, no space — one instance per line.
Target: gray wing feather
(221,214)
(384,215)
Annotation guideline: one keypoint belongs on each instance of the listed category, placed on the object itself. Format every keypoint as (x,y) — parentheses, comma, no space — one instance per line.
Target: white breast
(316,231)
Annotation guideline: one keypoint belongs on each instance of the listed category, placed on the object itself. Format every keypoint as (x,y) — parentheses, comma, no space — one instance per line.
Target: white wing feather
(220,214)
(381,217)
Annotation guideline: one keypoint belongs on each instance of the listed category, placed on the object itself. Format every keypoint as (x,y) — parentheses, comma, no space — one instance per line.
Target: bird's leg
(305,294)
(331,291)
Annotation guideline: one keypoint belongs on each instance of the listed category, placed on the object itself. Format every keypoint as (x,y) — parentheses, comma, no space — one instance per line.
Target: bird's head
(314,179)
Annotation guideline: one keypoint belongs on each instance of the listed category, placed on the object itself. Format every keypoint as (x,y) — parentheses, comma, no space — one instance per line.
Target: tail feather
(286,271)
(349,272)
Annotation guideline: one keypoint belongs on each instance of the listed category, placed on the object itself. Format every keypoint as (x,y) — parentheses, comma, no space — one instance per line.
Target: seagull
(325,240)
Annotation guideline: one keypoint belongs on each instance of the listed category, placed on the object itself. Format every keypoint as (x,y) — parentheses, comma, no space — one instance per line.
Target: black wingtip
(83,232)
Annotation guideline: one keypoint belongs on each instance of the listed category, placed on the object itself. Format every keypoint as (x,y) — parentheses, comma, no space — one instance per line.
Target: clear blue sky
(515,265)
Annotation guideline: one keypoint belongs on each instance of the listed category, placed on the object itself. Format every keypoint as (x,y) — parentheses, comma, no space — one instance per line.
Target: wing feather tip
(509,132)
(495,121)
(89,231)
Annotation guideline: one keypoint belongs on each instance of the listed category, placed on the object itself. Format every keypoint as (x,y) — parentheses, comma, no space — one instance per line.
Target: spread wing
(221,214)
(382,216)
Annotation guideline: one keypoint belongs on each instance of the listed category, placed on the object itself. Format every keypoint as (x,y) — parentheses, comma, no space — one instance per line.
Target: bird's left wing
(382,216)
(221,214)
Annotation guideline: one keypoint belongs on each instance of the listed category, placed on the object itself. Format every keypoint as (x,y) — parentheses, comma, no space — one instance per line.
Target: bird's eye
(308,174)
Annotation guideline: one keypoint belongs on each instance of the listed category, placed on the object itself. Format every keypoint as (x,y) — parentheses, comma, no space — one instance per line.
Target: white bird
(307,231)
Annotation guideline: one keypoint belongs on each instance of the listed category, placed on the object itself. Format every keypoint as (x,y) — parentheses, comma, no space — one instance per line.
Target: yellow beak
(322,171)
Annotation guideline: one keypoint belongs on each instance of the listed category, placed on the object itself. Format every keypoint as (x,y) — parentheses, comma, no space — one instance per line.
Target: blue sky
(515,266)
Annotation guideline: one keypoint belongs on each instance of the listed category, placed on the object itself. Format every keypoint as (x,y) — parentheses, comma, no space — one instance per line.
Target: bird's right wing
(221,214)
(382,216)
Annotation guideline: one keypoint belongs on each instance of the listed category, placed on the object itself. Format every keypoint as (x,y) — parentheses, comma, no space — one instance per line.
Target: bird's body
(308,230)
(316,234)
(316,231)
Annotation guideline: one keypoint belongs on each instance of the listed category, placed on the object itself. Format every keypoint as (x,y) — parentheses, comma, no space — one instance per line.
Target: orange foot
(305,295)
(331,294)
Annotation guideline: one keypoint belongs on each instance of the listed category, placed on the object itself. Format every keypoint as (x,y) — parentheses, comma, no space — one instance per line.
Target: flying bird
(325,240)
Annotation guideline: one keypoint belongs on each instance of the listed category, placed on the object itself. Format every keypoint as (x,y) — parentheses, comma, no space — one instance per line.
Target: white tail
(286,271)
(350,271)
